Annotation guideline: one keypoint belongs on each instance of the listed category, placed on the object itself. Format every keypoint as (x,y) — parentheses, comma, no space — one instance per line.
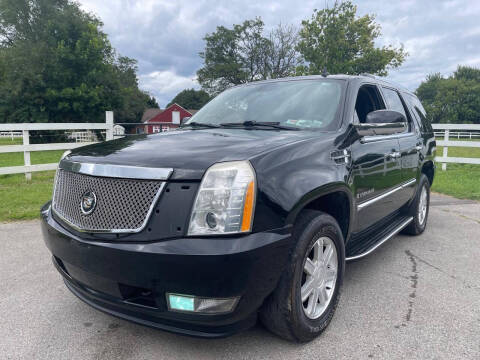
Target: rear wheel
(419,208)
(304,302)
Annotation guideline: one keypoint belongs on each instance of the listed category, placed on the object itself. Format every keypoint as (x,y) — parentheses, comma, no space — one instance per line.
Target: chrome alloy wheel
(319,277)
(422,206)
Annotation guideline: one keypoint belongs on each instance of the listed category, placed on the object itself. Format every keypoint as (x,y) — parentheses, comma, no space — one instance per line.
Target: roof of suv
(340,77)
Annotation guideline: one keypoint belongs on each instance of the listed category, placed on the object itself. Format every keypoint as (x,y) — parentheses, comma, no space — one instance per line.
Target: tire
(283,312)
(419,208)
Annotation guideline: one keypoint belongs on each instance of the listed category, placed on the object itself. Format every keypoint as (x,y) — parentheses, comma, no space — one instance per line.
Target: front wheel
(304,302)
(419,208)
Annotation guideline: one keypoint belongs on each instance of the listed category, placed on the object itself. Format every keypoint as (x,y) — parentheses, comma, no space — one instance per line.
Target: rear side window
(419,112)
(393,101)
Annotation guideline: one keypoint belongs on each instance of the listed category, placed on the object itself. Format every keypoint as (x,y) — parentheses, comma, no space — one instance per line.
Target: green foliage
(455,99)
(56,65)
(134,101)
(190,99)
(152,103)
(337,39)
(243,54)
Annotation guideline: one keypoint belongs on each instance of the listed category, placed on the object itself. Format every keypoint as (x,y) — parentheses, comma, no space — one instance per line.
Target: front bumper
(130,280)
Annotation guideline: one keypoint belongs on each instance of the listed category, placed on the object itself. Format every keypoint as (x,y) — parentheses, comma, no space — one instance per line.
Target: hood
(188,152)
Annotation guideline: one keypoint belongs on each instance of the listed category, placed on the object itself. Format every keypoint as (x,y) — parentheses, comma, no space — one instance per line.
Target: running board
(382,240)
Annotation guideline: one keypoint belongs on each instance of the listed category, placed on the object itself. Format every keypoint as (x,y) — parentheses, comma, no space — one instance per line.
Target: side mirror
(385,117)
(382,122)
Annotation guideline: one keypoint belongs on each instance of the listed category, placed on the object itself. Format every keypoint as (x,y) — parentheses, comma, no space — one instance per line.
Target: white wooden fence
(446,143)
(459,134)
(108,126)
(10,134)
(26,147)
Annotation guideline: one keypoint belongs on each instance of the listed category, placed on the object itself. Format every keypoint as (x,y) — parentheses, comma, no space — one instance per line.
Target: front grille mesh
(122,204)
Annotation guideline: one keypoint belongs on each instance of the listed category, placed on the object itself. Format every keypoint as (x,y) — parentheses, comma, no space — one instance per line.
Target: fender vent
(340,156)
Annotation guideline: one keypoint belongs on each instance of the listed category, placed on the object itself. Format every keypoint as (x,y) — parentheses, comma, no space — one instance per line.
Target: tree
(56,65)
(454,99)
(282,57)
(190,99)
(336,39)
(133,100)
(152,103)
(243,54)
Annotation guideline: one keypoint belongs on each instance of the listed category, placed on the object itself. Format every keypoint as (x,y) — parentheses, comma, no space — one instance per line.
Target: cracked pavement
(413,298)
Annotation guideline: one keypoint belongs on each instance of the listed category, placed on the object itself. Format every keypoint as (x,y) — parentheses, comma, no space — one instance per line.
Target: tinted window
(393,101)
(419,112)
(368,100)
(303,104)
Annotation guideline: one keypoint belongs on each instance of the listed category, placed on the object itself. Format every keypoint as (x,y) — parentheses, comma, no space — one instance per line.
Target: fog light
(181,303)
(187,303)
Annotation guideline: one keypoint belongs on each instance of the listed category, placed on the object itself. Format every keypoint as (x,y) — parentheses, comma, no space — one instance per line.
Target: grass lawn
(10,141)
(36,157)
(459,152)
(21,199)
(459,180)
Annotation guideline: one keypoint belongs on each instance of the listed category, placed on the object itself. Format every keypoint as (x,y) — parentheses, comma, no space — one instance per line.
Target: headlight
(225,200)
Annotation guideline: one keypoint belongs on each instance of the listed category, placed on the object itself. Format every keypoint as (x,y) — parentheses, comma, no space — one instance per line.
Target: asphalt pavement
(414,298)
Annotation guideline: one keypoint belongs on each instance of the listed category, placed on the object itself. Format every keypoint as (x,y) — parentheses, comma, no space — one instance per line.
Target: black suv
(251,208)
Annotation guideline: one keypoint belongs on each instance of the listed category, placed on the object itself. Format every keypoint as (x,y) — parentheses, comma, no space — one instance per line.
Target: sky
(165,36)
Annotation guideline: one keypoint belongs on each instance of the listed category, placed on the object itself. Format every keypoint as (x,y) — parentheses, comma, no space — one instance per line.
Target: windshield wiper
(195,124)
(253,124)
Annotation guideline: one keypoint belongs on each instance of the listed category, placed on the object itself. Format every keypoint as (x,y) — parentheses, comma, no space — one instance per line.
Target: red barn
(158,120)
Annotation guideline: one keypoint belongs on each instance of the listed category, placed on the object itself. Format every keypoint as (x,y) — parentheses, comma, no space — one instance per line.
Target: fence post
(109,123)
(445,148)
(26,154)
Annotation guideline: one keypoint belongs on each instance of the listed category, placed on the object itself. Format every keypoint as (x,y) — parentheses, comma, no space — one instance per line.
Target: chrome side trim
(409,182)
(385,239)
(374,138)
(114,231)
(116,171)
(384,195)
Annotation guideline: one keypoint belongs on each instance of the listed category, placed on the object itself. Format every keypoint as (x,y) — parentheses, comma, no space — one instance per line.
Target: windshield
(300,104)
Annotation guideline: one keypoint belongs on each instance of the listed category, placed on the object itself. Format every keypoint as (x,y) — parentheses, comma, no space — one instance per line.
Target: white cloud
(472,62)
(421,48)
(472,32)
(164,85)
(166,36)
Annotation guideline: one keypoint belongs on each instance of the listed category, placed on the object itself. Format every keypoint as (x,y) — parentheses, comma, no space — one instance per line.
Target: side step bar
(394,232)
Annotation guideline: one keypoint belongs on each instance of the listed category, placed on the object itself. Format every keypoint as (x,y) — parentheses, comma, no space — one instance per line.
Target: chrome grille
(122,205)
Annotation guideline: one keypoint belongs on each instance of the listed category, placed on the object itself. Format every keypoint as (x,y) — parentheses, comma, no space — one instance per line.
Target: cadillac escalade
(249,210)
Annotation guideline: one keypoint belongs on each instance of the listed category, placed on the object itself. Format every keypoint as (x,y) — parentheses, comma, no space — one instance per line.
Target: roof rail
(368,75)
